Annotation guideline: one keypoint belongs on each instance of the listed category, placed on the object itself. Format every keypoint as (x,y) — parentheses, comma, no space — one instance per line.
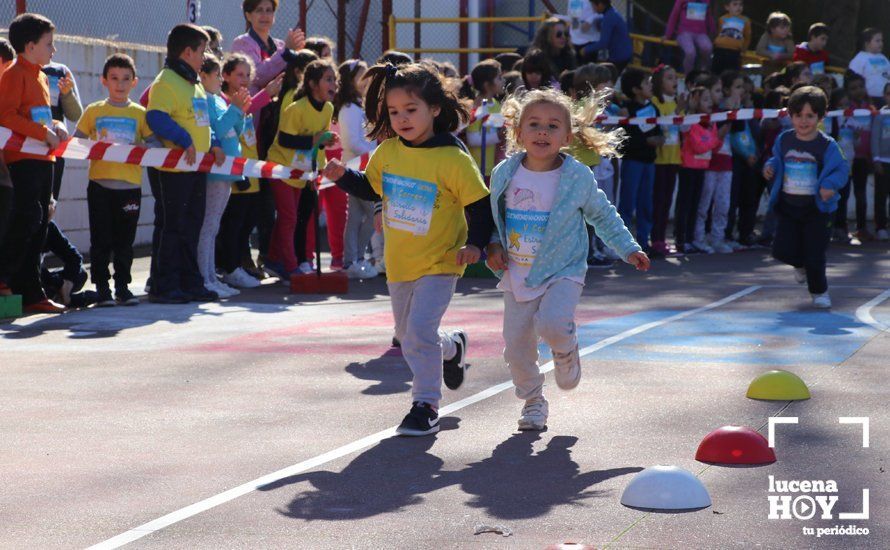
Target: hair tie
(352,65)
(658,68)
(470,79)
(391,71)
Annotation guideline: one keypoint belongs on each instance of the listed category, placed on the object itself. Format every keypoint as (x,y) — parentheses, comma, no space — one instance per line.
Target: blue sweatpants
(635,196)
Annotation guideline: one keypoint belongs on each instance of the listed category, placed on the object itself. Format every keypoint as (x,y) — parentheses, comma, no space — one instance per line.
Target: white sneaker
(703,246)
(359,270)
(883,235)
(567,367)
(736,245)
(800,275)
(305,267)
(721,247)
(821,301)
(534,414)
(240,279)
(224,291)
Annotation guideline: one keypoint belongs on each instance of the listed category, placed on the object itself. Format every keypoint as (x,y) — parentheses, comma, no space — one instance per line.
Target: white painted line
(771,431)
(863,312)
(860,515)
(857,420)
(194,509)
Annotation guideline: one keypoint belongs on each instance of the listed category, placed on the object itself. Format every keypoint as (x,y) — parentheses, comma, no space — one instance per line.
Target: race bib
(302,160)
(801,178)
(742,143)
(54,91)
(408,203)
(671,135)
(775,49)
(703,156)
(111,129)
(885,128)
(733,27)
(525,233)
(696,11)
(42,115)
(818,67)
(202,115)
(646,112)
(248,136)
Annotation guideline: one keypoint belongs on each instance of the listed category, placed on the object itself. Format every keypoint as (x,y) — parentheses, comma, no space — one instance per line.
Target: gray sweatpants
(715,194)
(418,307)
(217,197)
(359,228)
(550,317)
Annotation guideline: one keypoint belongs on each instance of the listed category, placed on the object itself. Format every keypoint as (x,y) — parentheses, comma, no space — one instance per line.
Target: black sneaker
(172,297)
(396,343)
(453,369)
(421,420)
(124,297)
(202,295)
(105,299)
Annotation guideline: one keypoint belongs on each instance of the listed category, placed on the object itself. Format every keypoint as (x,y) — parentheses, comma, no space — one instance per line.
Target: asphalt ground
(266,421)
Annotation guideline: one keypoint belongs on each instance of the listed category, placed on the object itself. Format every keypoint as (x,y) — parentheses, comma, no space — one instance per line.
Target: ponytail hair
(581,117)
(418,80)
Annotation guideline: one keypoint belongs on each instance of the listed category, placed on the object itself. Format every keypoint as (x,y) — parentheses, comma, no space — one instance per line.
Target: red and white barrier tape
(738,114)
(85,149)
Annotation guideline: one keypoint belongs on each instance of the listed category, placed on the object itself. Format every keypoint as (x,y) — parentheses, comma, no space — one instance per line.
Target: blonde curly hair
(581,116)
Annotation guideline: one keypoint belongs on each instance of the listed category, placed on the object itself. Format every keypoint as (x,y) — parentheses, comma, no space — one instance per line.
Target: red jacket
(803,53)
(699,143)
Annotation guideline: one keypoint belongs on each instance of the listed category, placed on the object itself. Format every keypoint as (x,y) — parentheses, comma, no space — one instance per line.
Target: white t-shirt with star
(529,199)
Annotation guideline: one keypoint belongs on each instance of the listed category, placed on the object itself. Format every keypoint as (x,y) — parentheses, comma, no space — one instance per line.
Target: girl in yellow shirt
(429,185)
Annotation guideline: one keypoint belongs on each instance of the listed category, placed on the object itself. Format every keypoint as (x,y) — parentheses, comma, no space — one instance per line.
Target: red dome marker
(735,445)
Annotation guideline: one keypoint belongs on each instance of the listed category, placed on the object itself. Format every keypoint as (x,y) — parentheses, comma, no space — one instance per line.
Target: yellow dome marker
(778,385)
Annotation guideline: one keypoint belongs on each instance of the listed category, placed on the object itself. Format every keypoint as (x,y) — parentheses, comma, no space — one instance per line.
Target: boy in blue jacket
(809,170)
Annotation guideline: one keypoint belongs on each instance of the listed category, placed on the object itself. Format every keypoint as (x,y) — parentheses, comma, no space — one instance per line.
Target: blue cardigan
(833,175)
(227,123)
(563,252)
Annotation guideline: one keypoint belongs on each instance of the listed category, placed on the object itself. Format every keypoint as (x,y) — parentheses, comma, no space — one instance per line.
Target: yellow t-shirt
(249,151)
(669,153)
(102,121)
(424,193)
(186,103)
(300,119)
(491,143)
(585,155)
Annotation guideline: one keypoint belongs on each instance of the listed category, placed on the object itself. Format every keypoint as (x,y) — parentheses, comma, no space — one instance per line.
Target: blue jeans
(635,195)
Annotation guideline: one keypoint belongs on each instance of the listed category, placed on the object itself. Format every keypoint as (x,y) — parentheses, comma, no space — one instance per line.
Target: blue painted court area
(730,337)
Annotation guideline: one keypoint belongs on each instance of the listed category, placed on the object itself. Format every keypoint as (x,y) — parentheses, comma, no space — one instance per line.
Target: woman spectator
(552,38)
(269,55)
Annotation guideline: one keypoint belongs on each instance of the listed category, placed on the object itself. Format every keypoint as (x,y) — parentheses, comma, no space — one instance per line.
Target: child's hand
(190,155)
(66,85)
(219,155)
(241,99)
(334,170)
(826,194)
(325,139)
(274,85)
(295,39)
(51,139)
(51,209)
(60,130)
(752,160)
(768,172)
(468,254)
(639,260)
(497,257)
(378,222)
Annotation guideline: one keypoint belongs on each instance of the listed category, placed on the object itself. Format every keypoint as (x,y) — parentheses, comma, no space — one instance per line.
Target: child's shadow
(389,371)
(514,483)
(517,483)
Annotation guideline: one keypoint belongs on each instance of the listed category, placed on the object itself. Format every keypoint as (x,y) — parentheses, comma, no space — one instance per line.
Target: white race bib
(408,203)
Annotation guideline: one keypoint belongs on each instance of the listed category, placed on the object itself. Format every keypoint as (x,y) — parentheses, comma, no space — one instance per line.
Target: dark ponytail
(416,79)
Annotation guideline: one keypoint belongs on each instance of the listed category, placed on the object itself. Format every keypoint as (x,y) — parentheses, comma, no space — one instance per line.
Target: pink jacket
(267,69)
(699,143)
(679,20)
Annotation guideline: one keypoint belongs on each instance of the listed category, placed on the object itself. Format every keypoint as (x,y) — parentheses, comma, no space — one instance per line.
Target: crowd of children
(444,187)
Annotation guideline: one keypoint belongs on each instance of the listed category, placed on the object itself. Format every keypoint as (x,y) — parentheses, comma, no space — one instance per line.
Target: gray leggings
(218,192)
(418,307)
(359,228)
